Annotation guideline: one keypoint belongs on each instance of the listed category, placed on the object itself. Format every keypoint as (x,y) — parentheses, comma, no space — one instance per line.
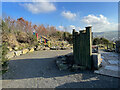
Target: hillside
(110,35)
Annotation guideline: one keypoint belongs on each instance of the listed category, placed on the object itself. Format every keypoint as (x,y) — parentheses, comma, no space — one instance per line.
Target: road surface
(38,70)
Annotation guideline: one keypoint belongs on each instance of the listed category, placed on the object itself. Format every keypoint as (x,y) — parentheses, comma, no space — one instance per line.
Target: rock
(38,48)
(53,48)
(58,61)
(25,51)
(57,48)
(9,48)
(46,48)
(63,58)
(62,66)
(31,49)
(15,48)
(71,47)
(70,54)
(42,48)
(63,48)
(68,45)
(60,56)
(10,55)
(76,67)
(70,59)
(18,53)
(22,45)
(35,47)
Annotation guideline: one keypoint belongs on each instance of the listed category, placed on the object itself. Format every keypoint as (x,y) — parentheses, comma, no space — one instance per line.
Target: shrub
(4,51)
(4,60)
(102,40)
(96,41)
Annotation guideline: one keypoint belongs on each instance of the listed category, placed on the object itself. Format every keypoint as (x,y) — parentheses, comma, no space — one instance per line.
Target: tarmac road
(38,70)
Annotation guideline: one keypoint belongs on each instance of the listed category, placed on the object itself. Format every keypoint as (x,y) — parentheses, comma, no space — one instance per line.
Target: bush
(4,51)
(4,60)
(97,41)
(10,38)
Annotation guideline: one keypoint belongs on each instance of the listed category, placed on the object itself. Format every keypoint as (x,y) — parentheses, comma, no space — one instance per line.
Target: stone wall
(12,54)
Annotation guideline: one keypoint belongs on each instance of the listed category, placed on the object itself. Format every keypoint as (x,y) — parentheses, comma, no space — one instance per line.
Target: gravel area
(38,70)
